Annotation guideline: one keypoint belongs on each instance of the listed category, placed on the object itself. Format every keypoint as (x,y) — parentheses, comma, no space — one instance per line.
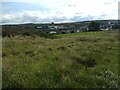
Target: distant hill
(31,29)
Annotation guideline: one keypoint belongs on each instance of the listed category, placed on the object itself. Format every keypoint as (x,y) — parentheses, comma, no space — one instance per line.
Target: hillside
(79,60)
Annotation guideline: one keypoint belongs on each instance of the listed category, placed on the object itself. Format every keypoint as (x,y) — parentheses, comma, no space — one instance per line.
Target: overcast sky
(41,11)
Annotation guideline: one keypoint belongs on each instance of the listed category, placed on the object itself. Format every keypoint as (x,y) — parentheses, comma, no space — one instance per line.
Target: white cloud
(66,10)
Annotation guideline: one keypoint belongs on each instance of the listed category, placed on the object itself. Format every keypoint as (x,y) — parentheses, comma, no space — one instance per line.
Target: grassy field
(79,60)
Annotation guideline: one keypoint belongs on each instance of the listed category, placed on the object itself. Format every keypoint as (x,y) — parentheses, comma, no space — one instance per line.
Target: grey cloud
(26,18)
(119,10)
(71,5)
(108,3)
(23,18)
(56,19)
(79,18)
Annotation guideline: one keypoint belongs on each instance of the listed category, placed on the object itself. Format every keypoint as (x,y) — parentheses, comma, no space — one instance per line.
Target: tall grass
(80,60)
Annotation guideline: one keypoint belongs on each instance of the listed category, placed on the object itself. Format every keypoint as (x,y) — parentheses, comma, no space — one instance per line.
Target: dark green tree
(116,26)
(94,26)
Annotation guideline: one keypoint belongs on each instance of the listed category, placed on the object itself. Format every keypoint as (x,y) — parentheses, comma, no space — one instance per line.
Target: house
(52,32)
(82,29)
(39,27)
(52,27)
(108,26)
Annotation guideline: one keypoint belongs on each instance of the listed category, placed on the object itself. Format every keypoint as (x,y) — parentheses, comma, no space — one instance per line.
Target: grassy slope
(87,59)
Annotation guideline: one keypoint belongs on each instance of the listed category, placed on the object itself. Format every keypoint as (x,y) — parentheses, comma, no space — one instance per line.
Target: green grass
(79,60)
